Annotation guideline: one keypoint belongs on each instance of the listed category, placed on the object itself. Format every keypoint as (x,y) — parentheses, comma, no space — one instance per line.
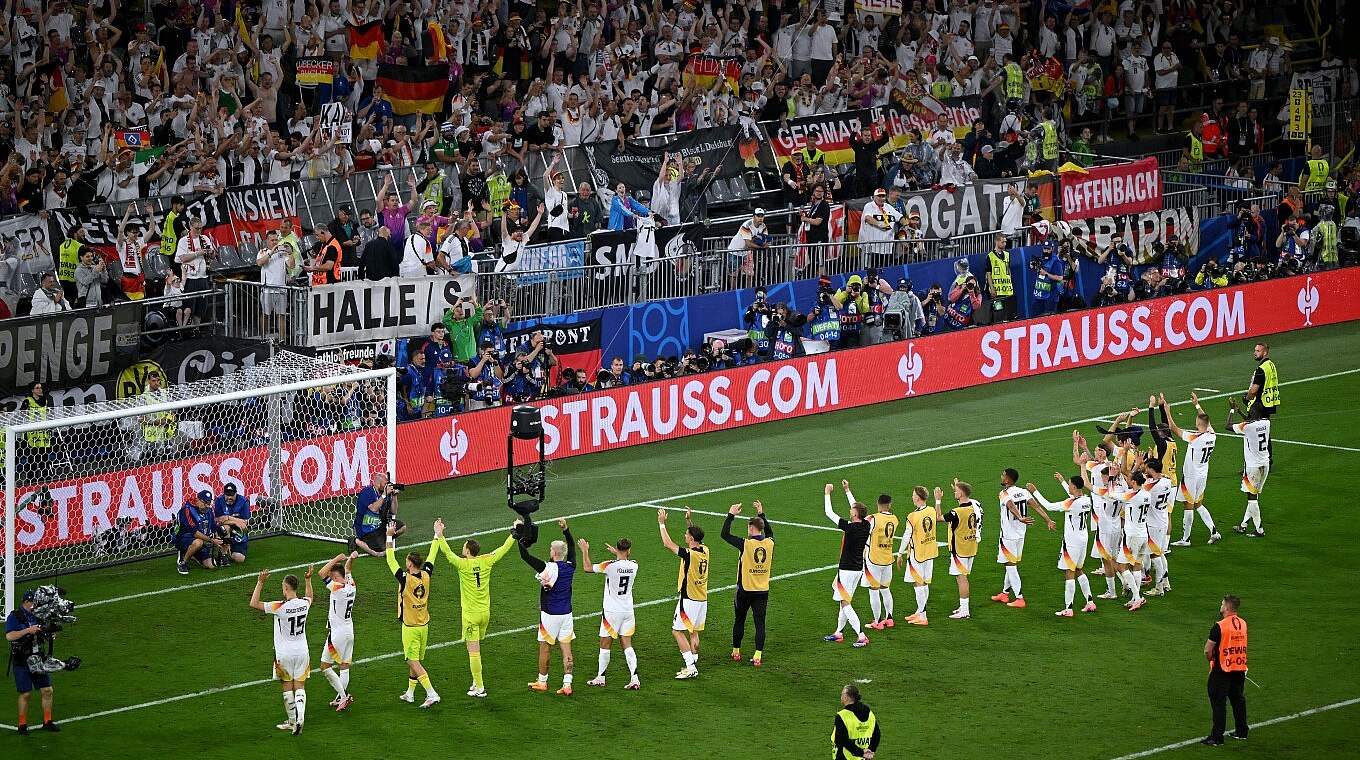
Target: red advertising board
(662,410)
(1114,190)
(470,443)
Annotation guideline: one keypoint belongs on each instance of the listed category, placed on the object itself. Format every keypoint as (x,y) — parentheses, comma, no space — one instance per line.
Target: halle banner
(637,165)
(397,307)
(833,130)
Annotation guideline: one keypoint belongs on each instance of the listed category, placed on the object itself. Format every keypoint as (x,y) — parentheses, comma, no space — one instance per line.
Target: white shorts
(1254,479)
(1158,539)
(843,588)
(1073,554)
(877,576)
(616,624)
(689,616)
(920,571)
(1192,488)
(1134,550)
(339,649)
(1109,538)
(960,565)
(553,629)
(1010,550)
(292,666)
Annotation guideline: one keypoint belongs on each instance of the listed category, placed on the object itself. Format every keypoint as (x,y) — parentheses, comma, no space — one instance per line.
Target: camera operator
(22,629)
(903,317)
(824,321)
(231,512)
(1049,277)
(196,534)
(1211,275)
(484,378)
(1118,260)
(931,309)
(1293,243)
(964,301)
(521,384)
(1107,295)
(785,332)
(756,319)
(877,291)
(1174,264)
(375,507)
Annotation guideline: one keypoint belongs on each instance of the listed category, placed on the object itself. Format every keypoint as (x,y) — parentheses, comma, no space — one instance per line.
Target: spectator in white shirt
(1135,79)
(49,297)
(1167,68)
(274,262)
(1048,37)
(192,256)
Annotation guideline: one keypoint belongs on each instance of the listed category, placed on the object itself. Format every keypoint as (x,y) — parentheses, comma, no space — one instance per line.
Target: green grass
(1006,683)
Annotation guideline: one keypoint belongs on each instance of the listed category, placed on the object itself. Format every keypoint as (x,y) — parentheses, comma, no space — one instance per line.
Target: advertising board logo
(453,445)
(1308,301)
(909,368)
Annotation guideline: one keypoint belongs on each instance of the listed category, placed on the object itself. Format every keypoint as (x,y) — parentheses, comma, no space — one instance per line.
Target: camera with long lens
(53,612)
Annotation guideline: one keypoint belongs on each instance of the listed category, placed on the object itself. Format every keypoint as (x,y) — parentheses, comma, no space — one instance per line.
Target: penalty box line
(396,654)
(719,489)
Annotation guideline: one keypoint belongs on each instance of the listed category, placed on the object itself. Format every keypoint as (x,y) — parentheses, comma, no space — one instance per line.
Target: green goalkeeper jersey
(474,574)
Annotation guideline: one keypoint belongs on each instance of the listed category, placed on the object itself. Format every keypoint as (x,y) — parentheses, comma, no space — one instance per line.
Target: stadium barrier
(667,409)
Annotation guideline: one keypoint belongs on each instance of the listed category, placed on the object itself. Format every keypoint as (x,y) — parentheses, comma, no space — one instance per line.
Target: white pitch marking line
(1206,390)
(745,517)
(1304,443)
(391,655)
(1254,726)
(818,471)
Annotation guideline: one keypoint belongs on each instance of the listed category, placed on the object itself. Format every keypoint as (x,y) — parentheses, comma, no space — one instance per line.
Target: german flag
(311,72)
(436,45)
(414,89)
(702,71)
(366,41)
(56,98)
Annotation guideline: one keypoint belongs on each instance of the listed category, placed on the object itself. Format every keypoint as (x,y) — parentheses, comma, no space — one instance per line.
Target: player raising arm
(413,610)
(878,559)
(1256,455)
(1200,447)
(919,547)
(1073,553)
(692,609)
(753,576)
(1109,535)
(618,621)
(292,662)
(474,594)
(851,566)
(1010,547)
(1161,496)
(339,651)
(554,604)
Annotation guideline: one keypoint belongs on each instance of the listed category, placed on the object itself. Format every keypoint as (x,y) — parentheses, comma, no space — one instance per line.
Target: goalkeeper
(474,584)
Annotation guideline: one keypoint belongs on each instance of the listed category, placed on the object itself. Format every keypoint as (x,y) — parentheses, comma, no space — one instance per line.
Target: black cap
(178,199)
(229,489)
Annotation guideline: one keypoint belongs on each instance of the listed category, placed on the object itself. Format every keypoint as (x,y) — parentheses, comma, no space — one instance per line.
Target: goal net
(105,483)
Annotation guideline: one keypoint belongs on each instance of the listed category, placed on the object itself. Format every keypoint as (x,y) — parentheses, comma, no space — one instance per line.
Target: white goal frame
(14,432)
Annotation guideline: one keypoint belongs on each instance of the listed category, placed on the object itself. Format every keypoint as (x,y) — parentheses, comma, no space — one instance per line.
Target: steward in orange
(1226,651)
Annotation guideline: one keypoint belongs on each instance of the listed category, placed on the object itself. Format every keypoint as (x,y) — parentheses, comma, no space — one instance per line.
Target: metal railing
(255,310)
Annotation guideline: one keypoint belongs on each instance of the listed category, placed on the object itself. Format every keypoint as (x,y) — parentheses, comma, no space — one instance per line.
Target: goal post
(104,483)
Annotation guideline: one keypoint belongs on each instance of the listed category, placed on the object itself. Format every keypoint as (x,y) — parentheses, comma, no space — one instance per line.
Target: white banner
(398,307)
(25,238)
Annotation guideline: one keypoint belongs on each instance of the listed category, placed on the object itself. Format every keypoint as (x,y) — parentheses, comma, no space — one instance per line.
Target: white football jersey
(340,616)
(290,624)
(1104,506)
(1198,452)
(620,575)
(1074,519)
(1161,497)
(1011,527)
(1255,442)
(1136,505)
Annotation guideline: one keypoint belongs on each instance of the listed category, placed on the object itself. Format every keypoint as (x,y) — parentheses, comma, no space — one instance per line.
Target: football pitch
(183,665)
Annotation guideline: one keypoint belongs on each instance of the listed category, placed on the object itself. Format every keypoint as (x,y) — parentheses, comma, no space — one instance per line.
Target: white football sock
(604,661)
(288,708)
(963,605)
(840,618)
(1208,519)
(1131,583)
(1069,591)
(1254,509)
(566,679)
(1109,584)
(1085,584)
(631,657)
(689,659)
(300,705)
(875,604)
(334,679)
(1187,523)
(922,594)
(1158,569)
(344,679)
(886,592)
(853,618)
(1014,573)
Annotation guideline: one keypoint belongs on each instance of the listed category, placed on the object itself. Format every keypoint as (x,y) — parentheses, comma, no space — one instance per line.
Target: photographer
(484,378)
(1293,243)
(231,512)
(22,629)
(196,534)
(824,321)
(375,506)
(521,384)
(853,304)
(964,301)
(1211,275)
(785,332)
(1048,282)
(931,309)
(1118,260)
(413,389)
(757,319)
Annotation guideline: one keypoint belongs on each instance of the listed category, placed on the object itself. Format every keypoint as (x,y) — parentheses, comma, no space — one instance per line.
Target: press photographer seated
(375,506)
